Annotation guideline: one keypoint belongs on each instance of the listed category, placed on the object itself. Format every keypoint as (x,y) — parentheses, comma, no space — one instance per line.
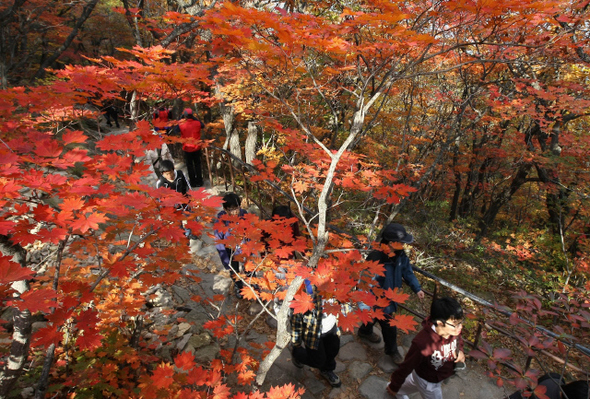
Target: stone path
(362,367)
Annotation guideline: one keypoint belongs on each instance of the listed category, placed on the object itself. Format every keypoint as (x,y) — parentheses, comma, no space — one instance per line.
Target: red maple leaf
(6,226)
(348,322)
(197,376)
(48,149)
(72,204)
(10,271)
(302,303)
(403,322)
(89,339)
(185,361)
(47,336)
(87,222)
(73,136)
(221,391)
(163,376)
(36,300)
(396,295)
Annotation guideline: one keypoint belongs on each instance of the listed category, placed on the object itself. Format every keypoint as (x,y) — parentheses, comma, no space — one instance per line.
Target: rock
(359,370)
(386,364)
(199,340)
(352,351)
(182,329)
(182,294)
(36,326)
(206,354)
(8,314)
(374,388)
(162,298)
(346,338)
(254,309)
(221,284)
(271,322)
(173,332)
(183,342)
(314,385)
(198,318)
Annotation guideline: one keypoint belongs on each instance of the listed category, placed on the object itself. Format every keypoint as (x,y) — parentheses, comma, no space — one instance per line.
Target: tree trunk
(133,110)
(21,336)
(251,140)
(88,8)
(503,198)
(234,144)
(283,336)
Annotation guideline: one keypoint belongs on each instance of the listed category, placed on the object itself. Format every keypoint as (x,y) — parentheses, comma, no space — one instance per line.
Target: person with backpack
(190,130)
(397,270)
(231,207)
(315,338)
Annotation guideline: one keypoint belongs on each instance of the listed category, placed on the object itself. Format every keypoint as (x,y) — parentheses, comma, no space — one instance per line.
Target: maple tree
(364,108)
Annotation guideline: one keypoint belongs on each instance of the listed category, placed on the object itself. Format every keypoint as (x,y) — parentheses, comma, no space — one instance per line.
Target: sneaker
(238,291)
(396,357)
(296,363)
(373,337)
(332,378)
(460,366)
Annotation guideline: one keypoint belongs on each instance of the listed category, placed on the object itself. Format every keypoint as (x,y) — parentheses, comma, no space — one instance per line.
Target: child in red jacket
(433,353)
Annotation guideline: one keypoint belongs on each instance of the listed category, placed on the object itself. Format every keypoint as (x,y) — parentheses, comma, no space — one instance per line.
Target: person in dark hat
(397,270)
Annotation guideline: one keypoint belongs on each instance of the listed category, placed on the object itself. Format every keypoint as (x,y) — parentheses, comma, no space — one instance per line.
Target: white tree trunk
(251,140)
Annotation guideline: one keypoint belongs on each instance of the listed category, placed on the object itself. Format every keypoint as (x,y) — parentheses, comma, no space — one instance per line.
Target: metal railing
(225,169)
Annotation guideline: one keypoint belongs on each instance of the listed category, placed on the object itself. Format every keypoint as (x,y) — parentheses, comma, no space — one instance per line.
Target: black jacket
(180,183)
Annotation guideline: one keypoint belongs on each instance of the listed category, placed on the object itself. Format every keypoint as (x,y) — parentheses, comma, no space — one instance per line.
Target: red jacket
(432,356)
(191,129)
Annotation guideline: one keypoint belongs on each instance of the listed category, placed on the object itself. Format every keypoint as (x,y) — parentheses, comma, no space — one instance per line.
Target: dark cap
(395,232)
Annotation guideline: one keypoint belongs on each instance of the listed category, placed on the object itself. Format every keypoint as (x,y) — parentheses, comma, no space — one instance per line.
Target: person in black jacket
(175,180)
(172,179)
(398,270)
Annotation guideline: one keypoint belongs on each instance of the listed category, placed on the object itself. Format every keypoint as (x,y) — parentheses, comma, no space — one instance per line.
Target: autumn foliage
(470,112)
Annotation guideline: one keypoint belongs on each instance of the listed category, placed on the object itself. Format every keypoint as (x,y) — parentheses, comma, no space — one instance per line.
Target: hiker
(283,256)
(175,180)
(433,354)
(397,270)
(316,339)
(278,213)
(161,119)
(110,112)
(172,179)
(558,389)
(190,129)
(231,207)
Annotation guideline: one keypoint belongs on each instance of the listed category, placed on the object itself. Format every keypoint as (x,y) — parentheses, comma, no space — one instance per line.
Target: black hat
(395,232)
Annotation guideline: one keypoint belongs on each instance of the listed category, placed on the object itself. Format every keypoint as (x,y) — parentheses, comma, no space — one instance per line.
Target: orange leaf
(91,221)
(185,361)
(396,295)
(403,322)
(302,303)
(163,376)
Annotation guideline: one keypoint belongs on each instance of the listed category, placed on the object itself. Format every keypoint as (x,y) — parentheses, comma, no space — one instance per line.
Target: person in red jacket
(433,353)
(190,128)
